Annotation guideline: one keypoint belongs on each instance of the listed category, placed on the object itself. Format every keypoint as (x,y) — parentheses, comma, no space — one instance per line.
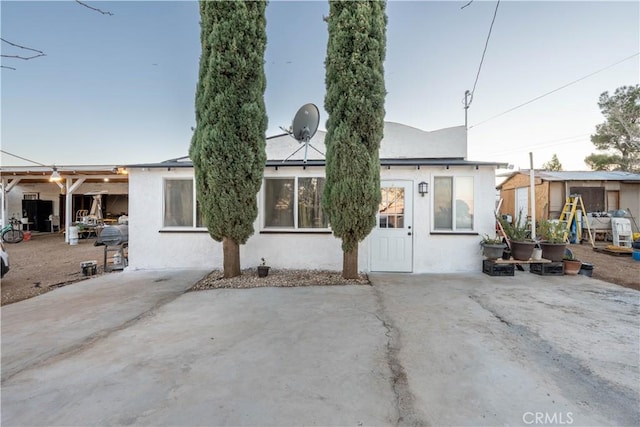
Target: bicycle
(10,234)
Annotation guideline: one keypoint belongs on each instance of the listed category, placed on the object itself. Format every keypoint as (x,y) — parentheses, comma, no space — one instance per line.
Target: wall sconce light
(55,175)
(423,188)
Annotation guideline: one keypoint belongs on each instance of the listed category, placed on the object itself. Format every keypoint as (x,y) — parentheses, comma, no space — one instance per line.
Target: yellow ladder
(568,215)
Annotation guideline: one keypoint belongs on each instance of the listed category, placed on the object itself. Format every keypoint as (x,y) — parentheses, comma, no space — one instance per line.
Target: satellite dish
(304,127)
(305,123)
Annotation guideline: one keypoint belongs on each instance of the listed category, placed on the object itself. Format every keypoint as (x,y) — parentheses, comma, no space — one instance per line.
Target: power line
(471,1)
(556,90)
(545,144)
(23,158)
(486,44)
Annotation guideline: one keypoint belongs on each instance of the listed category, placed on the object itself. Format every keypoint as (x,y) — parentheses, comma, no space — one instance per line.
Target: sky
(119,89)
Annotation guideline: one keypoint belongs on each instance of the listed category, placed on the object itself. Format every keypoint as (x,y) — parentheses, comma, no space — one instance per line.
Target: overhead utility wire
(554,143)
(486,44)
(23,158)
(467,4)
(555,90)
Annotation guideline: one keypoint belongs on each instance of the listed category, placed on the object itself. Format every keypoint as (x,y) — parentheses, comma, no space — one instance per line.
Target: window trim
(194,215)
(453,230)
(264,229)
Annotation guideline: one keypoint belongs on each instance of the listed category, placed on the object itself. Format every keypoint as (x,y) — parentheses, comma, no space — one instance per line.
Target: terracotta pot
(522,250)
(572,267)
(493,251)
(553,251)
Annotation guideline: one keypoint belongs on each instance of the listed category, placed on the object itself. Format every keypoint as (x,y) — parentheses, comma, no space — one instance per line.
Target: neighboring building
(438,231)
(27,192)
(600,192)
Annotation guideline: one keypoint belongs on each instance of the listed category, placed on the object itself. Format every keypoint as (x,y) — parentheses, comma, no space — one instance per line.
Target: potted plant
(552,240)
(263,269)
(519,237)
(492,247)
(571,264)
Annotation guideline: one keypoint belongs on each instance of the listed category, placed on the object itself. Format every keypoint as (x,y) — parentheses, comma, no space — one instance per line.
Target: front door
(522,204)
(392,238)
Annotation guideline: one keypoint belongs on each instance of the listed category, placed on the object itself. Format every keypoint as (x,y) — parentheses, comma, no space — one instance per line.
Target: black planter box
(492,268)
(547,269)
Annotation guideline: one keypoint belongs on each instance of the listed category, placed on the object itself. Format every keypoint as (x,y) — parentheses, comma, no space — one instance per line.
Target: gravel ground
(277,278)
(46,263)
(621,270)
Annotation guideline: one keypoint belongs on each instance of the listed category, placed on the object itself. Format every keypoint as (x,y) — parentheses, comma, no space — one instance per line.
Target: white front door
(392,238)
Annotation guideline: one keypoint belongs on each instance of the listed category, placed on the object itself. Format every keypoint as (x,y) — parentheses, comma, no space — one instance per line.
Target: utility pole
(466,107)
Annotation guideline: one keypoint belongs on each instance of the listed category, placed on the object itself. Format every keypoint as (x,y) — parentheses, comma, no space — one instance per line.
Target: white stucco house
(437,230)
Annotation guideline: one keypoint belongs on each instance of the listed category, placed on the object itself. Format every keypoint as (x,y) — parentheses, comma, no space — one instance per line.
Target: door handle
(409,234)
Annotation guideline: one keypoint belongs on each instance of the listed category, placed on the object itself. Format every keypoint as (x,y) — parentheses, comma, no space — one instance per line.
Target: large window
(180,206)
(453,203)
(294,203)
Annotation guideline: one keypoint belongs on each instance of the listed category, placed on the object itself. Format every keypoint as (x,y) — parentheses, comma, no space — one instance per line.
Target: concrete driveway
(134,349)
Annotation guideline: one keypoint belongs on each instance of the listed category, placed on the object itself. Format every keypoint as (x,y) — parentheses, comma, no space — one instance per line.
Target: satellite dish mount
(304,127)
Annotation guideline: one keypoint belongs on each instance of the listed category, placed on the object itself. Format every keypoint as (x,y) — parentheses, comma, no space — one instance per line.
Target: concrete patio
(134,349)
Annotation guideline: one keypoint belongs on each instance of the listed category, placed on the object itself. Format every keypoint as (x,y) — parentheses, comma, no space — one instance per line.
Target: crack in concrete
(404,399)
(93,339)
(572,375)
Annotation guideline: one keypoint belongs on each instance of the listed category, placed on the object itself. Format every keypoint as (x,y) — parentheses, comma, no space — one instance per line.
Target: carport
(57,185)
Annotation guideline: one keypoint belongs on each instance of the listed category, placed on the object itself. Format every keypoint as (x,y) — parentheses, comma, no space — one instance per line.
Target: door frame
(408,226)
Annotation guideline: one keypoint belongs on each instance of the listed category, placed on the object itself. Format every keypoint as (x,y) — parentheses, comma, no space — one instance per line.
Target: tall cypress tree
(355,103)
(228,146)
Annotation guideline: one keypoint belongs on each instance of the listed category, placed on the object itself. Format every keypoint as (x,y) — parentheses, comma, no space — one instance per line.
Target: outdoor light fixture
(55,176)
(423,188)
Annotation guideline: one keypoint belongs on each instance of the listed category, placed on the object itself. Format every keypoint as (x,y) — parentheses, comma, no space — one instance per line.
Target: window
(391,208)
(180,208)
(450,216)
(294,203)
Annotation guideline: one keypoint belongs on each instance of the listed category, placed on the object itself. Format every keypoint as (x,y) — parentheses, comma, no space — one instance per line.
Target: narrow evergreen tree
(355,103)
(228,145)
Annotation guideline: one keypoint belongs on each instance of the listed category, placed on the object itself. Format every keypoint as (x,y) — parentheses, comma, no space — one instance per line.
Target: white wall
(443,253)
(48,191)
(150,248)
